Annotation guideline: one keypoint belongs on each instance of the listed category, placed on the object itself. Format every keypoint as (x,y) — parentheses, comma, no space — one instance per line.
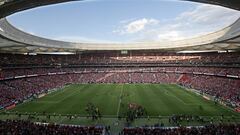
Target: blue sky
(123,20)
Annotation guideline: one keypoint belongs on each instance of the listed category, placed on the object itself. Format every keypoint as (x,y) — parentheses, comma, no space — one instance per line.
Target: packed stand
(230,129)
(112,57)
(20,127)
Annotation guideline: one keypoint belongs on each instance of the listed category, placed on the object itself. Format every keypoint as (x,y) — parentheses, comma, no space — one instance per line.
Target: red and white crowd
(230,129)
(20,127)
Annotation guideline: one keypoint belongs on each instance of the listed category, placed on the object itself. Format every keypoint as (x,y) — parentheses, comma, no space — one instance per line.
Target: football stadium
(170,85)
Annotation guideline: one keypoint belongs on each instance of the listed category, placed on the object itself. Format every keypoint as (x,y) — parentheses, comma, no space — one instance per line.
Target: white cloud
(198,21)
(139,25)
(136,25)
(209,15)
(127,20)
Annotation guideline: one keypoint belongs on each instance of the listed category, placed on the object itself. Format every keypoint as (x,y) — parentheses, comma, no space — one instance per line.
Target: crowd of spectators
(220,87)
(18,90)
(110,57)
(220,71)
(230,129)
(20,127)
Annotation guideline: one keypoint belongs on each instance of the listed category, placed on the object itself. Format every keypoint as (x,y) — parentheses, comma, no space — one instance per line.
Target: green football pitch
(113,100)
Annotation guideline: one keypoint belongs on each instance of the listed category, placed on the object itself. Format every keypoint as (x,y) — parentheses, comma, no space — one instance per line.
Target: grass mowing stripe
(120,101)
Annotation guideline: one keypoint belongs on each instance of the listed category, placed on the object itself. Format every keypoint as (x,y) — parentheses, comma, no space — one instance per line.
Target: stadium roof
(15,40)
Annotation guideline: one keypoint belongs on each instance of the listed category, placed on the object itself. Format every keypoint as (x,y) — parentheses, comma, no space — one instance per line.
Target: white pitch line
(120,100)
